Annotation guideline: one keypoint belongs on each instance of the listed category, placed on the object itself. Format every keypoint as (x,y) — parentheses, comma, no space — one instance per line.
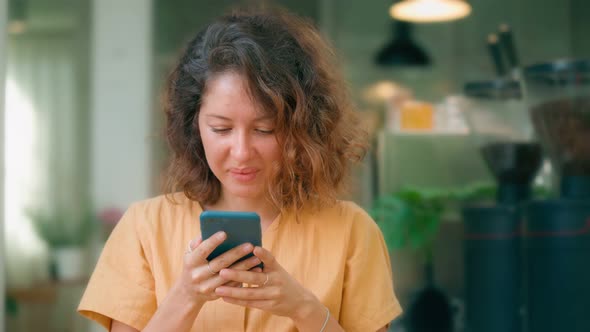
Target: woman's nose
(241,148)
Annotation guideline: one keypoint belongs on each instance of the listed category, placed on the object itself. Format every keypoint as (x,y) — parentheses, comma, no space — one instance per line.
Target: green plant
(411,217)
(63,228)
(10,306)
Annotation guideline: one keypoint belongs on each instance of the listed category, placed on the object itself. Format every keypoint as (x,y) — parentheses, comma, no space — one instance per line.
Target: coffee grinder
(557,231)
(500,126)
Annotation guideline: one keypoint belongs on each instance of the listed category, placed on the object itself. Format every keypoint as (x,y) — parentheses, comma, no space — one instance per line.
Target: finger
(209,285)
(233,284)
(210,281)
(247,277)
(214,281)
(246,264)
(202,274)
(247,293)
(266,257)
(261,304)
(206,247)
(192,244)
(231,256)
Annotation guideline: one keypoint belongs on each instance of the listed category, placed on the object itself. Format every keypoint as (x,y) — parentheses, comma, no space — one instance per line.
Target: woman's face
(239,139)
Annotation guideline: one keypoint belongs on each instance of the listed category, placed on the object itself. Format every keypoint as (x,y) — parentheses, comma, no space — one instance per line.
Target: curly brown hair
(290,71)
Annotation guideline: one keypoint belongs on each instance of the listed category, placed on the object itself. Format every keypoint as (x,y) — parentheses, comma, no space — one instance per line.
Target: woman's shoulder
(162,209)
(164,201)
(345,224)
(346,214)
(343,208)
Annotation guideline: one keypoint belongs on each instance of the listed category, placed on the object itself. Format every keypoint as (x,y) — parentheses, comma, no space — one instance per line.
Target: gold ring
(265,281)
(210,270)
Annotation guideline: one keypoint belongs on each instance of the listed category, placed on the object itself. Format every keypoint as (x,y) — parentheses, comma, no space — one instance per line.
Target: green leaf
(411,216)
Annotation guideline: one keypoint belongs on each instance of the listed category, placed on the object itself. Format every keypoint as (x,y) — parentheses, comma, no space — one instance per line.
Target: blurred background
(478,172)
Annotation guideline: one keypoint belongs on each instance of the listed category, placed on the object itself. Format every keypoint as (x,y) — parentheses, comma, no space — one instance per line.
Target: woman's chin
(243,192)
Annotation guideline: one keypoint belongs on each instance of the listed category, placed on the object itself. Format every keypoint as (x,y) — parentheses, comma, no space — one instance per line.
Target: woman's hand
(200,278)
(196,284)
(277,292)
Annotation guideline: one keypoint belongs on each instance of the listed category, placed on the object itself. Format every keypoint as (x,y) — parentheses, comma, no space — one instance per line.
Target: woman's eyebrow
(217,116)
(264,117)
(259,118)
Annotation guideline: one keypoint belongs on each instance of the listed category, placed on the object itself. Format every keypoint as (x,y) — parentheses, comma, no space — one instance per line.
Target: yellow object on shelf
(417,116)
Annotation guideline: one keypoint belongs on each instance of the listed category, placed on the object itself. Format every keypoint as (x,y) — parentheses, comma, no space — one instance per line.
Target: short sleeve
(122,285)
(368,299)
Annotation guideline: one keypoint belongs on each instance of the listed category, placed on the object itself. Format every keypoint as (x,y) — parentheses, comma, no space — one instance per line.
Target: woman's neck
(265,209)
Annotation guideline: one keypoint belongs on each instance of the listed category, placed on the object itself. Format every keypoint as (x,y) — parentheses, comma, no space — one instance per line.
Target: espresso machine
(500,127)
(556,232)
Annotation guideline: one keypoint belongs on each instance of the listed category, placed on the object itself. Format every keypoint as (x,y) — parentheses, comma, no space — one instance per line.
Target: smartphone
(240,227)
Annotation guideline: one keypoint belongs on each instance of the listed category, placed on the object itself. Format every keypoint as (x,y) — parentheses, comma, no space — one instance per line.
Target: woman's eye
(220,130)
(265,131)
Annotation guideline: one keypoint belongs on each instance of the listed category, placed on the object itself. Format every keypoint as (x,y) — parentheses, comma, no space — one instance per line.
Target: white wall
(3,11)
(121,101)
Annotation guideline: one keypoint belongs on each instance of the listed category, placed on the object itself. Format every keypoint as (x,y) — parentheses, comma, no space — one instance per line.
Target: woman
(257,120)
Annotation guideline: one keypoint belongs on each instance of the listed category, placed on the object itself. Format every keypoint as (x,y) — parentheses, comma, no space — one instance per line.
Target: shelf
(429,160)
(426,133)
(43,292)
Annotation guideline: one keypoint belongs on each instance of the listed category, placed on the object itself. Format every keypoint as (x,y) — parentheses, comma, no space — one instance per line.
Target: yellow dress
(338,253)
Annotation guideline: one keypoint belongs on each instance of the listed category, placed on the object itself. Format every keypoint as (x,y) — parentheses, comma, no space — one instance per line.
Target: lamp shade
(401,50)
(425,11)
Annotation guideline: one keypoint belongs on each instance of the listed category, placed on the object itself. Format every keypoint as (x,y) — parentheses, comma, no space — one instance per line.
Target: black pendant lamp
(401,50)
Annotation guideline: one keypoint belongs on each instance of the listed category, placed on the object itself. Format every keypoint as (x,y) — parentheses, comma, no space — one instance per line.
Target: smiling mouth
(244,175)
(243,170)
